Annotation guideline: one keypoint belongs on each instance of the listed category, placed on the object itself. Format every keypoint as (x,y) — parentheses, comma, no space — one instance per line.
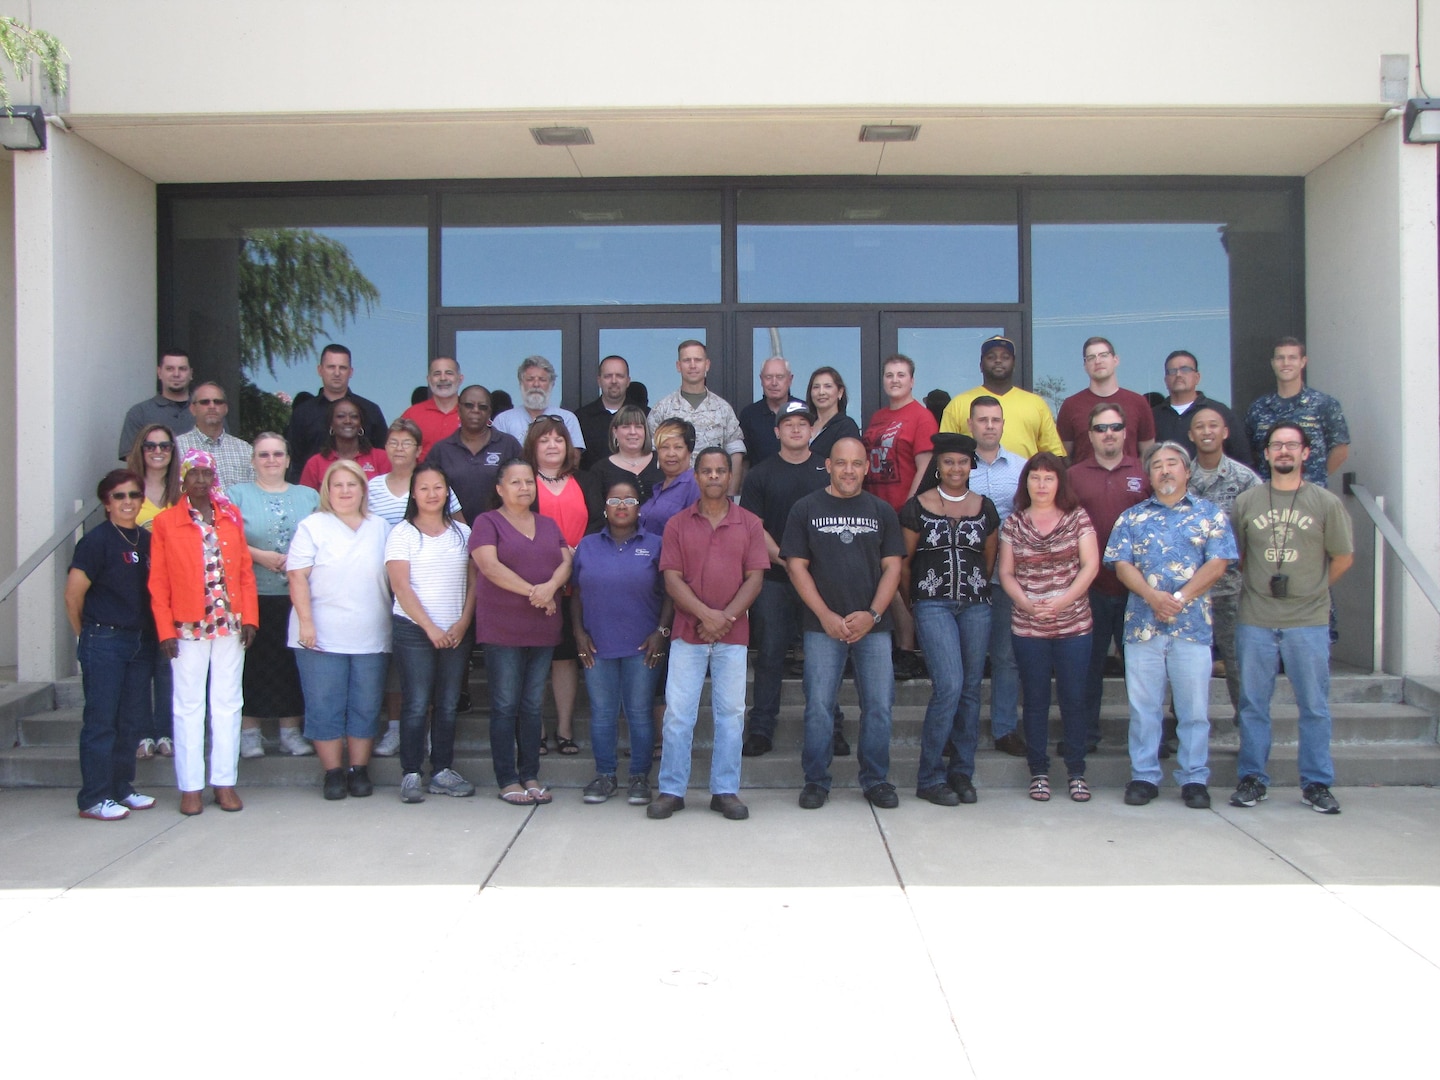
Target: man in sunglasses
(170,407)
(234,462)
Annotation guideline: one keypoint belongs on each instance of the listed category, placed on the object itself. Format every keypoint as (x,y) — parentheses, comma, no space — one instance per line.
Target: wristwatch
(874,615)
(663,631)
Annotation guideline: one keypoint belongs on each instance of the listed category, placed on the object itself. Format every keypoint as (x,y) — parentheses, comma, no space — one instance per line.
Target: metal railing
(67,529)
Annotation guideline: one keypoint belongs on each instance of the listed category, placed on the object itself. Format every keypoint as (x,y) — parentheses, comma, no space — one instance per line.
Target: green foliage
(260,411)
(291,282)
(19,44)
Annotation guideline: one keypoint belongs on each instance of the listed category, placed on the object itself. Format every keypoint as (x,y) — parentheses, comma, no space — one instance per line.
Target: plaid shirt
(232,455)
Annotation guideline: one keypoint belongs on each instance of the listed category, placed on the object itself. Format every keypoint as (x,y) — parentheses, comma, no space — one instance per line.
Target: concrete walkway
(1003,939)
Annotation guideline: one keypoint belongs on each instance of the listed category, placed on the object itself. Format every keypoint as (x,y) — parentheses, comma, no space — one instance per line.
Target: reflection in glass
(810,347)
(492,357)
(651,353)
(946,357)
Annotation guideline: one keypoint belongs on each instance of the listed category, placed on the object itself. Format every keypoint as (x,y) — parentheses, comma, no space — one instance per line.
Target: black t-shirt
(118,566)
(772,489)
(844,539)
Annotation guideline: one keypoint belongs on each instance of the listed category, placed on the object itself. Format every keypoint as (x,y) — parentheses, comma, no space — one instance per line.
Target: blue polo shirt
(621,588)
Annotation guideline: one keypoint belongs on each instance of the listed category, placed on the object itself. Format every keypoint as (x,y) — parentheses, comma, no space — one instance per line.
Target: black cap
(794,408)
(1004,342)
(951,442)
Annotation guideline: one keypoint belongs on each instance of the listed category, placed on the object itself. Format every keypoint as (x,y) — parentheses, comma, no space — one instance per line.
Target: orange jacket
(177,570)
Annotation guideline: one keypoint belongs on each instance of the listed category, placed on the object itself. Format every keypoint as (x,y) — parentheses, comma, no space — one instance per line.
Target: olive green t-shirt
(1292,533)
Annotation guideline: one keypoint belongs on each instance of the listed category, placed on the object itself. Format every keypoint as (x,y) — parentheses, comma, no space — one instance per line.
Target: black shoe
(1196,796)
(358,781)
(1249,791)
(838,746)
(1012,743)
(335,784)
(907,665)
(1140,792)
(1319,799)
(664,806)
(463,704)
(882,796)
(940,795)
(963,787)
(1168,748)
(794,668)
(730,806)
(756,745)
(813,797)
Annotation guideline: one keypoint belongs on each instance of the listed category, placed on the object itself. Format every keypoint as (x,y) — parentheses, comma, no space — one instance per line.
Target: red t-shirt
(894,438)
(375,463)
(1073,423)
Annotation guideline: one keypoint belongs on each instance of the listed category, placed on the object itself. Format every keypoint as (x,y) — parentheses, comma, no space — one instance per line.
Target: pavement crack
(529,816)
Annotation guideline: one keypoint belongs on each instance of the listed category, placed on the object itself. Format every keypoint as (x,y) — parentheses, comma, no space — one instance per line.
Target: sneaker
(358,783)
(882,796)
(105,810)
(411,790)
(838,746)
(450,782)
(1319,799)
(1140,792)
(146,749)
(251,744)
(165,746)
(335,784)
(600,789)
(388,745)
(1249,792)
(639,793)
(136,801)
(813,797)
(1196,796)
(293,743)
(756,745)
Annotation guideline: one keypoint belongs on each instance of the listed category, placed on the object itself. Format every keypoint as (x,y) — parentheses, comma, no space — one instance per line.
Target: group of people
(322,577)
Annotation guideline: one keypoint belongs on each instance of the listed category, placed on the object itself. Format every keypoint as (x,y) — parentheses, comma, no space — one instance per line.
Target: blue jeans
(1004,676)
(1185,667)
(774,621)
(430,681)
(161,724)
(517,676)
(610,684)
(1306,652)
(1108,614)
(874,679)
(954,637)
(115,669)
(1067,658)
(682,709)
(343,693)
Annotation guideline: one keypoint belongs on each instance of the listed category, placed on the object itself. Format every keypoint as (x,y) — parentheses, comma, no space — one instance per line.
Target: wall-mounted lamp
(1422,120)
(22,127)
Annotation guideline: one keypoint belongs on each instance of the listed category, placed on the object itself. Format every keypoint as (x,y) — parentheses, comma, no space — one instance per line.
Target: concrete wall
(8,557)
(85,341)
(1374,338)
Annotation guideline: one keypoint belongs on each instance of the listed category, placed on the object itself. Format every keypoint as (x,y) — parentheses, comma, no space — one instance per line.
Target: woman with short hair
(674,453)
(632,457)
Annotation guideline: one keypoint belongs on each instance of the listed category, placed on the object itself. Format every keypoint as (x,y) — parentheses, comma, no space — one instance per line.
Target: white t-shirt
(438,569)
(391,507)
(349,590)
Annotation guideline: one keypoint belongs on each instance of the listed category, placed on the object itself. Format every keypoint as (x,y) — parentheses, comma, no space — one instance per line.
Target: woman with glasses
(153,457)
(108,605)
(631,457)
(826,398)
(272,509)
(346,441)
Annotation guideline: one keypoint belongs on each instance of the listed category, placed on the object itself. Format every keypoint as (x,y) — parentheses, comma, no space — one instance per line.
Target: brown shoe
(1012,743)
(190,803)
(227,800)
(664,806)
(730,806)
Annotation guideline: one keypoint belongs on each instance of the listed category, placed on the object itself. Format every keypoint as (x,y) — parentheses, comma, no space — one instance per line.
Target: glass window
(580,248)
(493,357)
(946,357)
(651,354)
(810,347)
(878,245)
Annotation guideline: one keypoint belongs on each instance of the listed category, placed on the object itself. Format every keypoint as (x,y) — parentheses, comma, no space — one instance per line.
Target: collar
(1186,498)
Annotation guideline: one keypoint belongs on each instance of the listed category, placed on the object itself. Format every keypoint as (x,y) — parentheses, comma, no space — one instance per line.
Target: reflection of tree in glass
(1052,389)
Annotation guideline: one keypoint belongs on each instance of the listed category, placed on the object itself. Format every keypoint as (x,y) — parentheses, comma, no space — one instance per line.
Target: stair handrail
(1408,559)
(67,528)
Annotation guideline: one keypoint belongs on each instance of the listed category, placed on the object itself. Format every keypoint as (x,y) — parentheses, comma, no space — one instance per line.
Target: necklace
(549,479)
(953,498)
(133,543)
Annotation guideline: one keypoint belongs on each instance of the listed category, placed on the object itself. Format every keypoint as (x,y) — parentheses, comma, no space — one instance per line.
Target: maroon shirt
(1073,423)
(713,562)
(1106,494)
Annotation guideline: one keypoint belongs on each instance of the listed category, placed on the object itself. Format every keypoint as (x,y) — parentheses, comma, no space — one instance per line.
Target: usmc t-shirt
(844,541)
(1292,533)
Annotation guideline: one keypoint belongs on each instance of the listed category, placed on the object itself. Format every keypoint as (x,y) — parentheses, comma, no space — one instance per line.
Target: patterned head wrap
(201,459)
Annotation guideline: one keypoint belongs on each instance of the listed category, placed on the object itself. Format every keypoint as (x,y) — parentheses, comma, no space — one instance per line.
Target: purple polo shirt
(713,562)
(621,589)
(667,499)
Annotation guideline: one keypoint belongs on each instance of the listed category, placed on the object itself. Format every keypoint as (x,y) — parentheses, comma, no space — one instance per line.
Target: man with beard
(537,380)
(438,416)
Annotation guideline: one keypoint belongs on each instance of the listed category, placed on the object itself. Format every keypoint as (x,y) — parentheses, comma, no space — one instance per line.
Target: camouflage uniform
(1317,414)
(1221,487)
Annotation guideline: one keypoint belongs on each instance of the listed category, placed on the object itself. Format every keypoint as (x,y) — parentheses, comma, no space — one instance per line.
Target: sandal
(1079,790)
(538,794)
(516,798)
(1040,788)
(568,747)
(544,746)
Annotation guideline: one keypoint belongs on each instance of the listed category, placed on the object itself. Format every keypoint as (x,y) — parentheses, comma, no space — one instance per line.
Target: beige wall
(8,557)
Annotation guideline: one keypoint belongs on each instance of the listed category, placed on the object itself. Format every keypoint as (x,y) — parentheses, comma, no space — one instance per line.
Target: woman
(632,458)
(346,442)
(620,644)
(340,626)
(674,449)
(524,562)
(153,457)
(573,501)
(272,510)
(202,591)
(826,398)
(390,491)
(427,558)
(1048,558)
(950,541)
(109,611)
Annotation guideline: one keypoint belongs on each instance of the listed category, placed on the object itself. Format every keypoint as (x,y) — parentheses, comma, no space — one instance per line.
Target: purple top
(667,500)
(503,617)
(606,571)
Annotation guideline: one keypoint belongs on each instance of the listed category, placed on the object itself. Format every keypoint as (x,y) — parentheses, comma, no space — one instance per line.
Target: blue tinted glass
(946,357)
(810,347)
(651,354)
(492,357)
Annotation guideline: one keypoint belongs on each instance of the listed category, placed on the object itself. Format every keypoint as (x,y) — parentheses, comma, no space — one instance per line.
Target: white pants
(223,660)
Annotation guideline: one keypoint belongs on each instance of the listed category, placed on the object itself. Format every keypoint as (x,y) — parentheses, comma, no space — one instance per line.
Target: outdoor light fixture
(889,132)
(22,127)
(562,136)
(1422,120)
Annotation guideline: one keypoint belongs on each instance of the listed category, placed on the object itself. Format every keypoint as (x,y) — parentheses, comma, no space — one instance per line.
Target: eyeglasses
(1107,427)
(268,455)
(1292,446)
(208,401)
(126,495)
(1106,355)
(399,444)
(547,416)
(478,406)
(149,446)
(1186,370)
(622,502)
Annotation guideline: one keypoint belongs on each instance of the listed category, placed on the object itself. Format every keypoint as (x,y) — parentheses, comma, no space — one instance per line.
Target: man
(473,455)
(996,475)
(1172,416)
(170,407)
(1220,479)
(758,420)
(439,416)
(713,418)
(1029,427)
(1102,365)
(232,455)
(310,419)
(595,416)
(713,558)
(537,380)
(1168,551)
(1319,415)
(1295,543)
(1107,482)
(843,548)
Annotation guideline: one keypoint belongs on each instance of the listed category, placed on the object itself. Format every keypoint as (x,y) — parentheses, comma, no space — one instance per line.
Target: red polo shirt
(1106,494)
(713,562)
(434,424)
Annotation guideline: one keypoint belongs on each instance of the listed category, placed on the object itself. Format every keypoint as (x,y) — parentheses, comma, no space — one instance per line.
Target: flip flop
(516,798)
(539,795)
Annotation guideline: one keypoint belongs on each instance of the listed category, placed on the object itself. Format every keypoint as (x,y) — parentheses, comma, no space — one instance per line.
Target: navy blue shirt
(620,591)
(117,562)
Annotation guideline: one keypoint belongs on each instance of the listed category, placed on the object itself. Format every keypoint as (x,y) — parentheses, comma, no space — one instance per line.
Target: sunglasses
(1107,427)
(547,416)
(209,401)
(148,446)
(114,495)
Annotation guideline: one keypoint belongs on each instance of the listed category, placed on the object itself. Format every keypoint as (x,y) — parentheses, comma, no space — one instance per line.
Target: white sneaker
(107,810)
(146,749)
(411,790)
(251,745)
(293,743)
(388,745)
(136,801)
